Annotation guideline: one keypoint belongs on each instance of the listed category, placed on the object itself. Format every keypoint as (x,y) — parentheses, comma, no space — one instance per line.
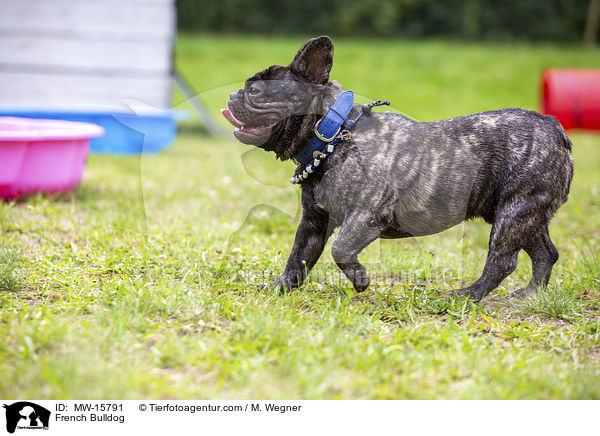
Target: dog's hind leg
(515,224)
(355,234)
(519,224)
(543,256)
(500,262)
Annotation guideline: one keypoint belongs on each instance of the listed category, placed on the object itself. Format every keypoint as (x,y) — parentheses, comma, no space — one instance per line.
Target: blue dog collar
(328,128)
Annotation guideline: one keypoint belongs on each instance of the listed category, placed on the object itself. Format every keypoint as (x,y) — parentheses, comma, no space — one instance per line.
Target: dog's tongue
(229,116)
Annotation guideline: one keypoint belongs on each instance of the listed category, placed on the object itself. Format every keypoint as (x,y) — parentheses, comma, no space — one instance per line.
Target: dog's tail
(563,137)
(566,142)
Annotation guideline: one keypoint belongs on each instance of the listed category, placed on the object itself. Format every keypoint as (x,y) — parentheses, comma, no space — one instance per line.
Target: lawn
(143,281)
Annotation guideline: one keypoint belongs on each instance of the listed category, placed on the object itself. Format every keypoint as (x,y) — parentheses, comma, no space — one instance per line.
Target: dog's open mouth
(246,132)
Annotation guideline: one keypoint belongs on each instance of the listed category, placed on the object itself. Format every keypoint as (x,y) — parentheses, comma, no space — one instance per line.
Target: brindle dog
(397,177)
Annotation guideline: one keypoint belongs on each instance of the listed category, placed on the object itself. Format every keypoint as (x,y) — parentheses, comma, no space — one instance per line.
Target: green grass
(10,276)
(142,282)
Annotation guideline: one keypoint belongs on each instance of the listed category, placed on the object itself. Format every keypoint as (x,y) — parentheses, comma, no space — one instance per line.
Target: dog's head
(279,106)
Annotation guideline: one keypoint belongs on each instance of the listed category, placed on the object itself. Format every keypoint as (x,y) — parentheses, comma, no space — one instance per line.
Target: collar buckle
(321,137)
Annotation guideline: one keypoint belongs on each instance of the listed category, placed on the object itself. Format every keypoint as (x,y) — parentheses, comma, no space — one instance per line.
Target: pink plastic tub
(42,155)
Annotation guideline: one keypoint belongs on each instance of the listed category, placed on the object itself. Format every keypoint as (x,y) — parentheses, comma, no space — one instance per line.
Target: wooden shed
(85,56)
(81,54)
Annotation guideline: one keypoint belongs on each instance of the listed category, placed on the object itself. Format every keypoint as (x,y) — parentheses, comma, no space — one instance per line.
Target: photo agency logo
(25,415)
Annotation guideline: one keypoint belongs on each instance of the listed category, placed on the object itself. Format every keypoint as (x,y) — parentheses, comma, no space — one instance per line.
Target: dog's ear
(314,60)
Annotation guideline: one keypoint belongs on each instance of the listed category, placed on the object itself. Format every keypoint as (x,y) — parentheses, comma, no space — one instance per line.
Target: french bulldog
(395,177)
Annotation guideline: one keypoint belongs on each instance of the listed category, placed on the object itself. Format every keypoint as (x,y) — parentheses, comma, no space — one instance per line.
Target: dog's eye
(254,90)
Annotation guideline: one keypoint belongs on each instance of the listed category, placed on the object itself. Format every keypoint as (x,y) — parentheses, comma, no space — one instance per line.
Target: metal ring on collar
(321,137)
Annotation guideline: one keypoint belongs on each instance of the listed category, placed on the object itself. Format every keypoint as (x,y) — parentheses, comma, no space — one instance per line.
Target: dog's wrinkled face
(277,98)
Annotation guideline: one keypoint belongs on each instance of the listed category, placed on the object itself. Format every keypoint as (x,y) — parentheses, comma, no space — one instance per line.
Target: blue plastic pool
(125,133)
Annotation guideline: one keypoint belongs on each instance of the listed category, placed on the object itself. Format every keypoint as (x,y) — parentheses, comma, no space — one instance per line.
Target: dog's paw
(473,292)
(457,293)
(279,285)
(361,282)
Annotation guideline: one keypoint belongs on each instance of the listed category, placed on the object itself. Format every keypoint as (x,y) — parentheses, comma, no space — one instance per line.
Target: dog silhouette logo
(26,415)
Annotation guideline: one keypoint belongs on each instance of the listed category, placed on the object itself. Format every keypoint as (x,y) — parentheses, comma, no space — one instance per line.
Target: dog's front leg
(311,237)
(356,233)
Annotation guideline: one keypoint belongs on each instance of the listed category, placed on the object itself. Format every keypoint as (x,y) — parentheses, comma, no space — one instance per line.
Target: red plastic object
(573,97)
